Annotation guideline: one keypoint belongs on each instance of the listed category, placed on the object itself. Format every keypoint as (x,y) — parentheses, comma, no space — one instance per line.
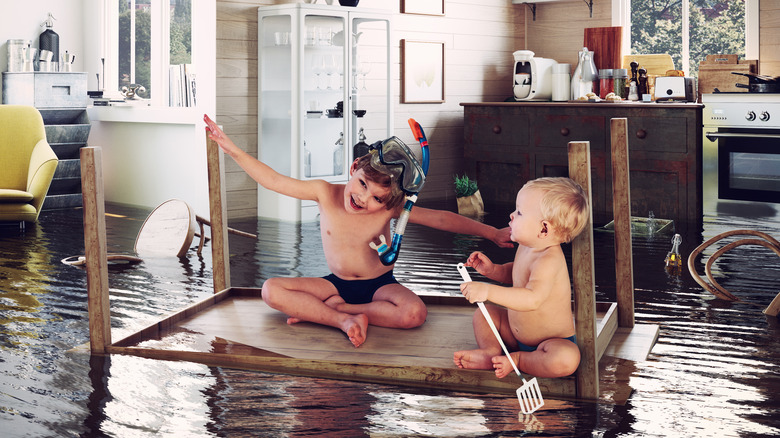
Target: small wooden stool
(713,286)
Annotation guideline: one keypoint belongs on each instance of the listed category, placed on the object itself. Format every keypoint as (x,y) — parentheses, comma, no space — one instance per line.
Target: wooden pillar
(96,252)
(774,307)
(621,206)
(220,253)
(583,280)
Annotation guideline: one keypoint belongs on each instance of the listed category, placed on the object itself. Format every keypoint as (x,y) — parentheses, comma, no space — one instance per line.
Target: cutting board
(712,76)
(655,64)
(606,43)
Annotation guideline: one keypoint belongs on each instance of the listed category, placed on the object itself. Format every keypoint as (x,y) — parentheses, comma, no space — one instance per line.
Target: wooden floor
(236,328)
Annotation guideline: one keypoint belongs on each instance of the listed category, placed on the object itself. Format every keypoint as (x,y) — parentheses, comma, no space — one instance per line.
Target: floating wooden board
(235,328)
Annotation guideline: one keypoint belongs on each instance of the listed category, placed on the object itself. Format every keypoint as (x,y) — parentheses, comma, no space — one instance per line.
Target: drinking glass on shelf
(363,68)
(331,68)
(318,67)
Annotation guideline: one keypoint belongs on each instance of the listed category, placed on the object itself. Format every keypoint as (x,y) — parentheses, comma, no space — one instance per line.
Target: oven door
(744,165)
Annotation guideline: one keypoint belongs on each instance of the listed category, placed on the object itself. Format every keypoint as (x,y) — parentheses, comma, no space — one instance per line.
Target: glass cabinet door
(323,86)
(370,86)
(324,58)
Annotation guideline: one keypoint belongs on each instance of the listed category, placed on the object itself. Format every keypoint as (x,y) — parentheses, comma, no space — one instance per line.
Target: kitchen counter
(508,143)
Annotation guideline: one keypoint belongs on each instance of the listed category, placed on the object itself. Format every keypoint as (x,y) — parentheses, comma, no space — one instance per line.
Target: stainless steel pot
(760,83)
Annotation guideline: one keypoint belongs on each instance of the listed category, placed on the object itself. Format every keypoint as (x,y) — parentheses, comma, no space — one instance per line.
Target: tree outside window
(715,27)
(135,61)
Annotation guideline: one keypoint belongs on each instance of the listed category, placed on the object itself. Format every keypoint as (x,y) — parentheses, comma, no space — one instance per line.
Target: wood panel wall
(479,40)
(769,38)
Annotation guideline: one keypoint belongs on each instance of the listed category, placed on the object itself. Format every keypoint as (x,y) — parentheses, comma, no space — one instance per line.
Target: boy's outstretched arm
(456,223)
(259,171)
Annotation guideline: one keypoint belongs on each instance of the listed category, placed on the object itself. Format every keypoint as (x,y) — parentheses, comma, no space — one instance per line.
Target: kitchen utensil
(28,54)
(561,83)
(16,49)
(583,81)
(760,83)
(529,395)
(606,43)
(67,61)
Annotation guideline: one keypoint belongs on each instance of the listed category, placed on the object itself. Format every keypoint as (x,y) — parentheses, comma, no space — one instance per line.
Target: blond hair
(564,205)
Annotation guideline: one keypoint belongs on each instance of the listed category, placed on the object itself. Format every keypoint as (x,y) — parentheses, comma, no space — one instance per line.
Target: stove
(751,110)
(741,154)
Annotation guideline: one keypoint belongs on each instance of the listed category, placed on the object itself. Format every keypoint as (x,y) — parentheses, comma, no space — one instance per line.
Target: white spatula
(529,395)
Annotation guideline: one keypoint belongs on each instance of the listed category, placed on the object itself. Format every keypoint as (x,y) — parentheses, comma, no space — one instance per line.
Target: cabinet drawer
(61,90)
(658,134)
(502,126)
(557,130)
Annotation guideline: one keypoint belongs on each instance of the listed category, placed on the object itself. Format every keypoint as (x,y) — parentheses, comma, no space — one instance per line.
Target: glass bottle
(49,40)
(306,160)
(338,155)
(361,147)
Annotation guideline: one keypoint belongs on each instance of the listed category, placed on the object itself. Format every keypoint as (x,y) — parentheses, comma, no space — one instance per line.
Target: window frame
(160,49)
(621,17)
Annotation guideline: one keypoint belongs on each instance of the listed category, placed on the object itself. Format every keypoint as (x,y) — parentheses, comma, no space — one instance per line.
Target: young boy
(361,290)
(533,316)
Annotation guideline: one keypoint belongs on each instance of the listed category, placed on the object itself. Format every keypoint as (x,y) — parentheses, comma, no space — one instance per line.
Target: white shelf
(138,113)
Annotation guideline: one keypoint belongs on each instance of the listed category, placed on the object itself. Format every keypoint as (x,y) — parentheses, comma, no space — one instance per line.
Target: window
(149,49)
(713,27)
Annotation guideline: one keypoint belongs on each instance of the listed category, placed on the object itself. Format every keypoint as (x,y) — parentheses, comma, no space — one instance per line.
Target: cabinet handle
(565,132)
(497,129)
(641,133)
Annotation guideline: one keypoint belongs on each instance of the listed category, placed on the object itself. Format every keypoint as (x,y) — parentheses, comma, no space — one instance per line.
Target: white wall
(25,23)
(149,155)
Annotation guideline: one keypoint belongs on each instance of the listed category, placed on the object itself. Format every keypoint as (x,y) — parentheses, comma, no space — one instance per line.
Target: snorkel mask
(394,154)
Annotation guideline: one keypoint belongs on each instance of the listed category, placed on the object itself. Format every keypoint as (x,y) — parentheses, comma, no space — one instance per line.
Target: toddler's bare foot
(473,359)
(502,366)
(356,327)
(293,320)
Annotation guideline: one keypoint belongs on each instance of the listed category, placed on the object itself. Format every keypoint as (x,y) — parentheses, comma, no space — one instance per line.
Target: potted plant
(468,197)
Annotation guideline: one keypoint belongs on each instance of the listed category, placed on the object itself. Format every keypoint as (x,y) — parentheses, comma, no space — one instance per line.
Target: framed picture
(422,72)
(424,7)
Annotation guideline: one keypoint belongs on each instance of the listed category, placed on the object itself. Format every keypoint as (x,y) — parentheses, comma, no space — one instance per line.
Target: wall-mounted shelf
(532,5)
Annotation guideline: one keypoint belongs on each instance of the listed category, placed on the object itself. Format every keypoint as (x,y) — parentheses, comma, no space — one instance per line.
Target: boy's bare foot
(502,366)
(473,359)
(356,327)
(333,302)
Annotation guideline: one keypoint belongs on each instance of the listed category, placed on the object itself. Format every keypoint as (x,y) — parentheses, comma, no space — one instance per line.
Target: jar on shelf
(606,82)
(620,80)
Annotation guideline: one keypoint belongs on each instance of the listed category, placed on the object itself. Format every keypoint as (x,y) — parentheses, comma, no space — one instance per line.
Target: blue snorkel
(389,254)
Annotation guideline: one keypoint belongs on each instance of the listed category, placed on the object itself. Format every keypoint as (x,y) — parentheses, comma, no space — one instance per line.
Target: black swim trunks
(360,291)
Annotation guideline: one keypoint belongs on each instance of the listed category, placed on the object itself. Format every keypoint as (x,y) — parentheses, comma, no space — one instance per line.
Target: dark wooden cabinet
(508,143)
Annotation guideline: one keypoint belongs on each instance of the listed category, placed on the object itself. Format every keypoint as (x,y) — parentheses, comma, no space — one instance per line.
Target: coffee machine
(532,76)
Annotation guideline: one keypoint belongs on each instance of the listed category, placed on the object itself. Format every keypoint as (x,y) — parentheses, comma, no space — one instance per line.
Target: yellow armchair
(27,163)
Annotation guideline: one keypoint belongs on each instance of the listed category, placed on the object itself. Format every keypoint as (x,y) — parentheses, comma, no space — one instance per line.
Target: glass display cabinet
(323,84)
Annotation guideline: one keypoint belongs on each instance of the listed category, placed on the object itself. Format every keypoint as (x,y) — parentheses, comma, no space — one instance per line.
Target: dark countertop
(574,103)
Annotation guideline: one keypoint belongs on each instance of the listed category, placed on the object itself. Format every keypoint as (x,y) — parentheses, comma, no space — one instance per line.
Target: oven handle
(712,136)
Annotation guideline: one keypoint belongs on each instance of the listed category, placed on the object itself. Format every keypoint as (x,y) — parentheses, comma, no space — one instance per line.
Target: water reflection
(715,366)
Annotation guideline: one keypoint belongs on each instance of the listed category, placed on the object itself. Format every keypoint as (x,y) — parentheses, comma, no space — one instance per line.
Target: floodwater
(715,370)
